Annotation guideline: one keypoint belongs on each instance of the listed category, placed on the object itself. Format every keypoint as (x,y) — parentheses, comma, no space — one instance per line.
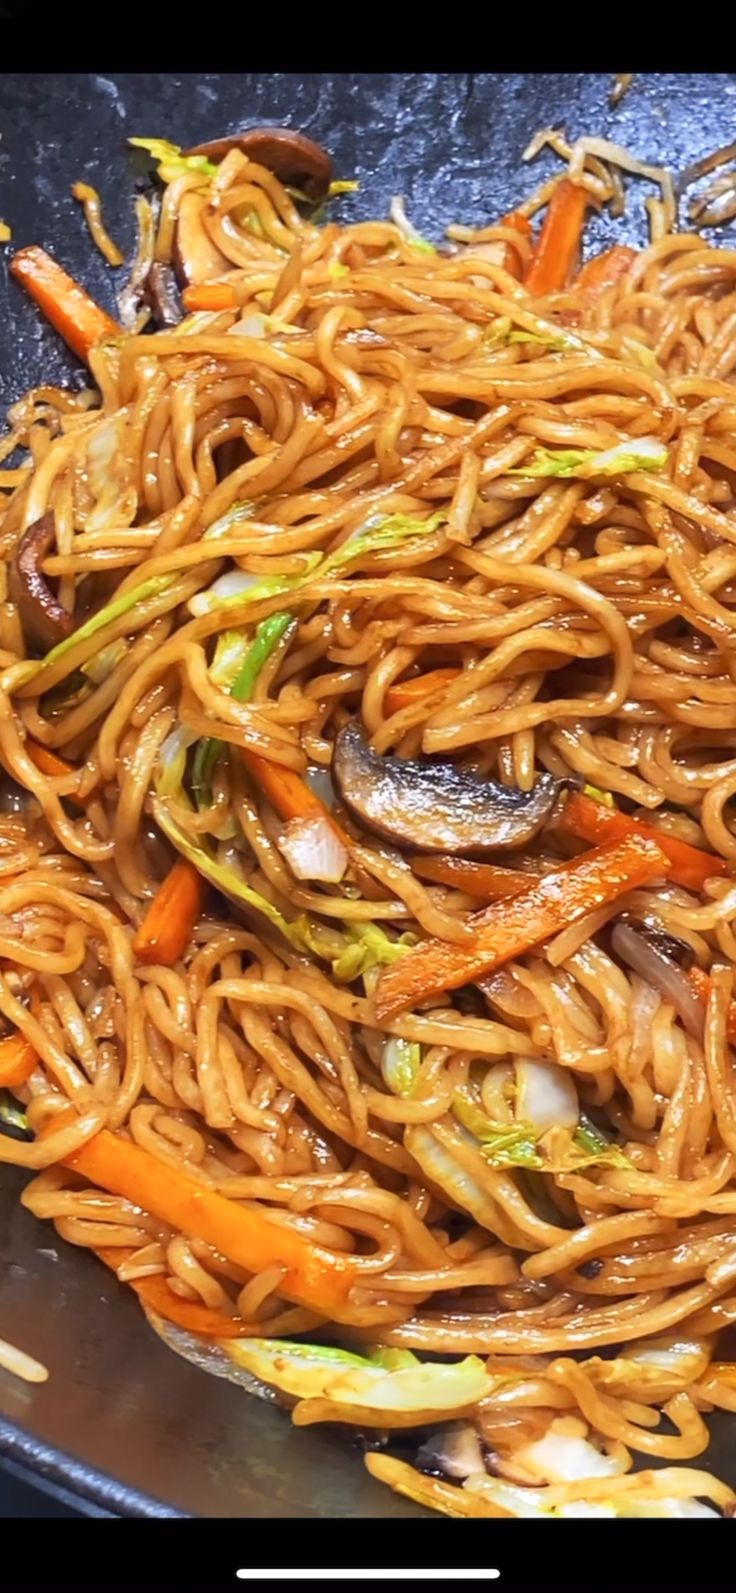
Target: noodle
(308,530)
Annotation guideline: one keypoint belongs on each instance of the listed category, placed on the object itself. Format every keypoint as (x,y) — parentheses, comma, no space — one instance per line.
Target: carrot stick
(81,322)
(56,767)
(604,269)
(314,1277)
(288,793)
(166,930)
(154,1292)
(17,1060)
(592,821)
(210,296)
(700,983)
(557,250)
(476,879)
(516,924)
(47,761)
(405,693)
(512,260)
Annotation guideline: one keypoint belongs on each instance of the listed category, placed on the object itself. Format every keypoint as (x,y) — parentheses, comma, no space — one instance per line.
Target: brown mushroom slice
(291,156)
(433,805)
(195,257)
(43,618)
(162,295)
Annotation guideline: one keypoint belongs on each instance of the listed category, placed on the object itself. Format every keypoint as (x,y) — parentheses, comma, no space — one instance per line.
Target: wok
(123,1426)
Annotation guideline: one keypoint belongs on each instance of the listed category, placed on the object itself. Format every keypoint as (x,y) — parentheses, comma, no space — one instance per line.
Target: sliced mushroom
(291,156)
(196,258)
(453,1452)
(43,618)
(433,805)
(162,295)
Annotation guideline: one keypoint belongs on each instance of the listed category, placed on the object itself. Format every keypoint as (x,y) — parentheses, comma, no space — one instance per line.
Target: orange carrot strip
(81,322)
(604,269)
(288,793)
(476,879)
(314,1277)
(512,260)
(557,251)
(700,983)
(47,761)
(52,764)
(516,924)
(17,1060)
(166,930)
(405,693)
(592,821)
(210,296)
(154,1292)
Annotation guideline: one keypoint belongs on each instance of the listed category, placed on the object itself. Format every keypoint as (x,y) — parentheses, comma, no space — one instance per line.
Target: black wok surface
(123,1424)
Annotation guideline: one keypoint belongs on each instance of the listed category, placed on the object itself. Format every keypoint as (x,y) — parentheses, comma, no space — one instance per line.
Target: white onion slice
(313,850)
(686,1358)
(563,1457)
(255,325)
(232,584)
(662,972)
(546,1096)
(400,219)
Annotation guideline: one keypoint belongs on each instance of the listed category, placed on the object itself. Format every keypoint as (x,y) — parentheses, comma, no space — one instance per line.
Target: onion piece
(655,1368)
(660,971)
(130,298)
(255,325)
(231,584)
(400,219)
(313,849)
(546,1096)
(564,1457)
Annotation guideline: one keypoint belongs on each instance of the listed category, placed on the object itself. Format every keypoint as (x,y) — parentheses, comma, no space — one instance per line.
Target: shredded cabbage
(400,1064)
(384,1381)
(641,453)
(172,762)
(379,533)
(519,1145)
(223,876)
(501,1144)
(502,332)
(106,616)
(243,510)
(237,663)
(368,946)
(237,587)
(171,162)
(597,795)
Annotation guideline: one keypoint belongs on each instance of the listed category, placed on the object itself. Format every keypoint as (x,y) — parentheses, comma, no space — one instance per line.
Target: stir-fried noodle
(311,1043)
